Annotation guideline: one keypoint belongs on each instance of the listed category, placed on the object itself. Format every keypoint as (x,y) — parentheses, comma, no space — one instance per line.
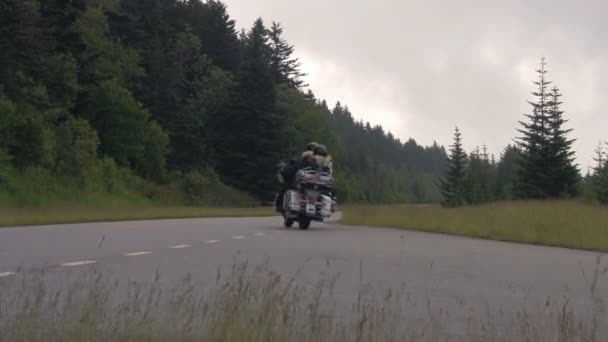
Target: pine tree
(564,174)
(212,24)
(599,158)
(285,69)
(506,173)
(600,175)
(474,178)
(250,138)
(453,184)
(534,175)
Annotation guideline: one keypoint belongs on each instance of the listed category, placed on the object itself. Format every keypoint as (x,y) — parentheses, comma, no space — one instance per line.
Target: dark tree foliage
(546,167)
(600,175)
(24,47)
(211,22)
(479,179)
(250,138)
(373,166)
(506,172)
(564,174)
(453,184)
(285,69)
(169,88)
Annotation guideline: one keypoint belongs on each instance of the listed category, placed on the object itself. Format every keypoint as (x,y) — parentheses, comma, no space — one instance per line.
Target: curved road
(442,269)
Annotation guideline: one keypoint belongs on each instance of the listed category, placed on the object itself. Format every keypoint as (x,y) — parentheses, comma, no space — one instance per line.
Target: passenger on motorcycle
(323,159)
(315,155)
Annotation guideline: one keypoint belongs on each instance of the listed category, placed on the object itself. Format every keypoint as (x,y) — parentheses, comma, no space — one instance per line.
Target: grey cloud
(422,67)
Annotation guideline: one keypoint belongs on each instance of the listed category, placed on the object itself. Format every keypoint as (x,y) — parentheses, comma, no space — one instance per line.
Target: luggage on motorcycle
(326,206)
(291,200)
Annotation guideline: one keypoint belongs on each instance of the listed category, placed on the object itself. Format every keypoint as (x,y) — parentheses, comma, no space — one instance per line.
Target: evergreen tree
(102,57)
(506,173)
(285,69)
(215,28)
(190,99)
(564,174)
(599,158)
(250,138)
(453,183)
(480,177)
(534,179)
(474,182)
(600,176)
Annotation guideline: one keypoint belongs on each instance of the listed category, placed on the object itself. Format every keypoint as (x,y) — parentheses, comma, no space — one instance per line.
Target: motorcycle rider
(287,172)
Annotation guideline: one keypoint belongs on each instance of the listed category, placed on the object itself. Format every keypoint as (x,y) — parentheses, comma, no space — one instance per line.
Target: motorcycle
(311,200)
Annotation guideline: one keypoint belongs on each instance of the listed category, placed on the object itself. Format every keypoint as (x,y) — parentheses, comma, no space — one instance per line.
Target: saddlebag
(292,200)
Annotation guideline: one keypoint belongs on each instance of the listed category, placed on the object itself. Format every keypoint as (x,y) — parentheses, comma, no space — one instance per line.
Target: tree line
(170,90)
(539,165)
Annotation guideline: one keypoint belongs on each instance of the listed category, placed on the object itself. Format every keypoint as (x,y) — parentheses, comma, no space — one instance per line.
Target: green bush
(7,120)
(77,144)
(207,189)
(34,145)
(109,172)
(153,164)
(120,120)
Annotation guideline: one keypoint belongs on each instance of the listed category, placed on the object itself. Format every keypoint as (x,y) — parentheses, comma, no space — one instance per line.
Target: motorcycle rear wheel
(304,223)
(288,222)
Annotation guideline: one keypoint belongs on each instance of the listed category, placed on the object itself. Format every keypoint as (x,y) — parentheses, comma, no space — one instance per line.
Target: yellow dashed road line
(212,241)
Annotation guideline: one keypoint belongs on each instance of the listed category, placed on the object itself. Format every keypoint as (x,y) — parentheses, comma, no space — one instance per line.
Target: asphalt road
(439,269)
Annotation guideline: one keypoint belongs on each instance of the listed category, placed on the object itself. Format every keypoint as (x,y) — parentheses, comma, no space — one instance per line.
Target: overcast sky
(421,67)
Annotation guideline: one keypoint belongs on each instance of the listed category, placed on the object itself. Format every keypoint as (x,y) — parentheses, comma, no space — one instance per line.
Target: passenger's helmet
(311,147)
(320,150)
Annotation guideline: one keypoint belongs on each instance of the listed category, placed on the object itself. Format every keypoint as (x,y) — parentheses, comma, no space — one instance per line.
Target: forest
(167,101)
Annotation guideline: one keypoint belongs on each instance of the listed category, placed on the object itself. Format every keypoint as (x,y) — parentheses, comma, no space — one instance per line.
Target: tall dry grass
(569,224)
(257,304)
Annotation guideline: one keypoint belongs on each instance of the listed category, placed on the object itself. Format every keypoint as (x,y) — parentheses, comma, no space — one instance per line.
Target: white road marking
(78,263)
(238,237)
(136,254)
(259,234)
(6,274)
(180,246)
(212,241)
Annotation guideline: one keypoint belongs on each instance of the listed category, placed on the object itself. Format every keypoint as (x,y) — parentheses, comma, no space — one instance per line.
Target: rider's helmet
(320,150)
(311,147)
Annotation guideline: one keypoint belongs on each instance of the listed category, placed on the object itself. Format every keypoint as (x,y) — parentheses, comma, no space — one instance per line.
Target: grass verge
(256,304)
(10,217)
(569,224)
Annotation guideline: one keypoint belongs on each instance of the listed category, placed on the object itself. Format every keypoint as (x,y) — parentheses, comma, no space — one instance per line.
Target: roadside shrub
(77,144)
(4,160)
(34,144)
(7,121)
(109,172)
(120,120)
(153,163)
(206,188)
